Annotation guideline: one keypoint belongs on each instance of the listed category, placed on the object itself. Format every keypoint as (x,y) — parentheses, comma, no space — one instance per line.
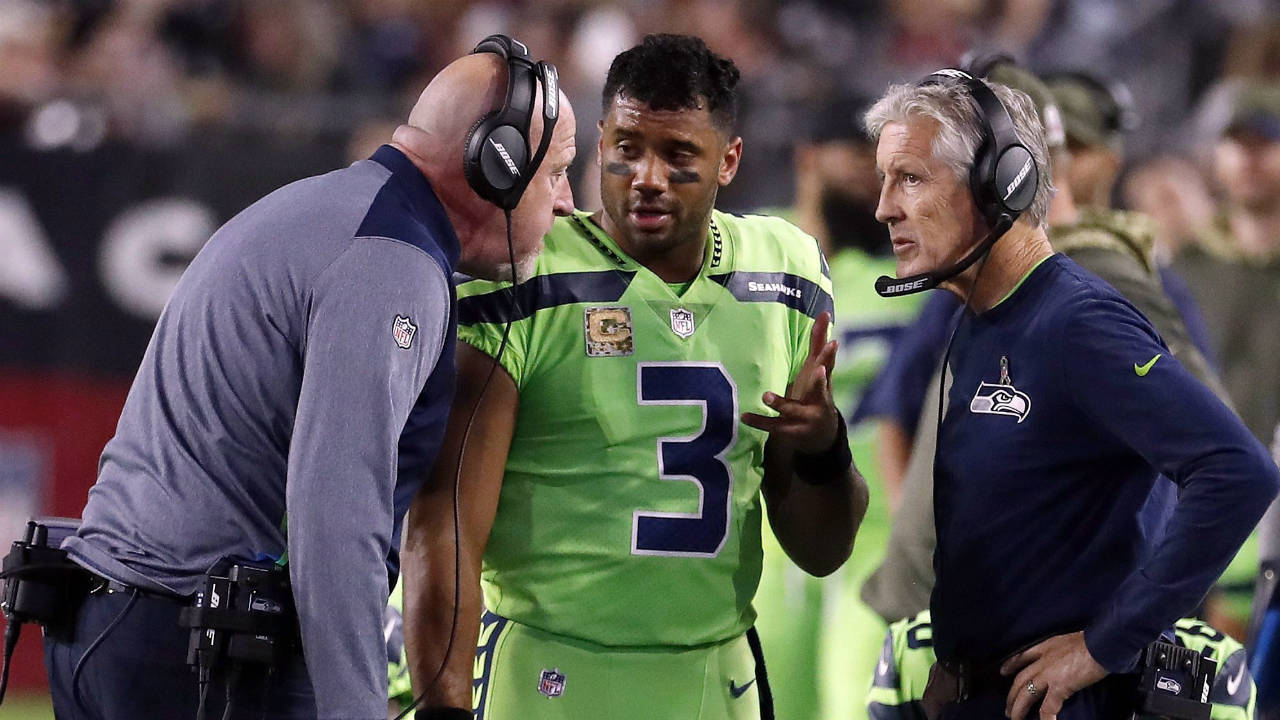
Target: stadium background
(130,129)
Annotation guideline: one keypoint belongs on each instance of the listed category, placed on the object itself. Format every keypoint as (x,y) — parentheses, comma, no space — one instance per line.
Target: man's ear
(729,161)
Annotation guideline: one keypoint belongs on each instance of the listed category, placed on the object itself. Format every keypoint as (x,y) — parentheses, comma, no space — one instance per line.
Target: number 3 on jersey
(699,459)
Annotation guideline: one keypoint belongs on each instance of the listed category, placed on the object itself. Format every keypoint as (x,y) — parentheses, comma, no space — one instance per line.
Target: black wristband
(827,466)
(442,713)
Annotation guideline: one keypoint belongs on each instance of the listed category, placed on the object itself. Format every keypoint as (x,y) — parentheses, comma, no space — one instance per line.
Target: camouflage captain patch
(608,331)
(551,683)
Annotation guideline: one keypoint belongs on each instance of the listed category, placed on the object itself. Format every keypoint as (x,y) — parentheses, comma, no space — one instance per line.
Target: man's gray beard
(524,270)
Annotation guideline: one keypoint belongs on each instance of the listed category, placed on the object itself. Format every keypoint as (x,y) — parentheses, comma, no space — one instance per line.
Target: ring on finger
(1032,689)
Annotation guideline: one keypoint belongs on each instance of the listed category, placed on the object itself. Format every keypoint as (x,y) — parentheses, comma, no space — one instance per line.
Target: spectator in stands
(1234,269)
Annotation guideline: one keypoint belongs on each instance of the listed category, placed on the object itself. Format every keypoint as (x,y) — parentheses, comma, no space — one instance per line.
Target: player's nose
(650,176)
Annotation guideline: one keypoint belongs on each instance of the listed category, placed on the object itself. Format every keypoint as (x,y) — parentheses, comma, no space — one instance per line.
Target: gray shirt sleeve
(358,386)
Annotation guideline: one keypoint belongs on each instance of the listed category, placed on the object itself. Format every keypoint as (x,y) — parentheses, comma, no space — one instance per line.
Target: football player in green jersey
(666,366)
(897,687)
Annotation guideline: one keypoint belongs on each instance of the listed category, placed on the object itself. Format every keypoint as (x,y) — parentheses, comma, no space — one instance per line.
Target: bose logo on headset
(906,286)
(1017,180)
(551,98)
(506,157)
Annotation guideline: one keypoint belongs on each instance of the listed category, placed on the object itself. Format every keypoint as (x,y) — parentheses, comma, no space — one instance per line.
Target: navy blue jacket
(1065,407)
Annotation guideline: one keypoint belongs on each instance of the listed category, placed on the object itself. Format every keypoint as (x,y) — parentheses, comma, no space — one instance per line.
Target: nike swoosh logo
(1142,370)
(1233,683)
(737,690)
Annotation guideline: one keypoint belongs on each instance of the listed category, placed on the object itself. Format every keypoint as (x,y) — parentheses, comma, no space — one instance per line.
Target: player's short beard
(523,270)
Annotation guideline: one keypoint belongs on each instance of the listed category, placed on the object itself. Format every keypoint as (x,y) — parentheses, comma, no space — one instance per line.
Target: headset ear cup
(504,159)
(1016,178)
(495,162)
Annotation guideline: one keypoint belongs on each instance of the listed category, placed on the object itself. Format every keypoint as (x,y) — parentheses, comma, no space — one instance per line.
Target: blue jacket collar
(426,206)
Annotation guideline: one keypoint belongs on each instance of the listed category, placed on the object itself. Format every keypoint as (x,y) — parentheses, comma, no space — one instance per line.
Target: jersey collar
(426,205)
(716,258)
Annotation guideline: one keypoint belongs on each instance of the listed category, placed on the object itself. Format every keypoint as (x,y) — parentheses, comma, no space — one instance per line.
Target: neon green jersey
(903,670)
(630,509)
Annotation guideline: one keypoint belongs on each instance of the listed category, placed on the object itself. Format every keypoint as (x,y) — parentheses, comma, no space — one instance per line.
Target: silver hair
(960,128)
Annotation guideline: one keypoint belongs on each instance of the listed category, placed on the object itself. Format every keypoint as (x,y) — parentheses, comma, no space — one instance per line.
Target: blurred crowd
(78,73)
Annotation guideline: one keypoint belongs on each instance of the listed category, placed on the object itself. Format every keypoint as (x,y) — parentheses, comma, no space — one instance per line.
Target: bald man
(285,412)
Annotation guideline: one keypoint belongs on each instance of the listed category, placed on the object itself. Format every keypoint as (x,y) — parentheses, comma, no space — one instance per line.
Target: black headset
(496,159)
(1003,181)
(1004,175)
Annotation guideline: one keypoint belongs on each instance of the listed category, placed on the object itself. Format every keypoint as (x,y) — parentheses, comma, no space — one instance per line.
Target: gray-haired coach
(1061,554)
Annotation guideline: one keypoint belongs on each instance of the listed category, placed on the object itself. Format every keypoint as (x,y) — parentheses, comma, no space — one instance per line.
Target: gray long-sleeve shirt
(303,367)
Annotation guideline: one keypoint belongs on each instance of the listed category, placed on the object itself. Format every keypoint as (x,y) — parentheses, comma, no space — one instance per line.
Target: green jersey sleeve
(484,309)
(805,281)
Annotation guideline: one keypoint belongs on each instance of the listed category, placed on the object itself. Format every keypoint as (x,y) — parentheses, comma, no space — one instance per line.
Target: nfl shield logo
(682,322)
(402,330)
(551,683)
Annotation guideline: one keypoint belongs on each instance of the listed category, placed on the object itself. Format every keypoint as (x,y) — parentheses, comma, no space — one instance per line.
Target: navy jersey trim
(484,656)
(406,208)
(793,291)
(543,292)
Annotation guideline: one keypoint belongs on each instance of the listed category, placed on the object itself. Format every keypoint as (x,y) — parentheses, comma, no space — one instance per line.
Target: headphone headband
(497,159)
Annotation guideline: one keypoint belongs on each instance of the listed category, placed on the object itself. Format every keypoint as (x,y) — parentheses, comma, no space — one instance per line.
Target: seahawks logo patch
(993,399)
(608,331)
